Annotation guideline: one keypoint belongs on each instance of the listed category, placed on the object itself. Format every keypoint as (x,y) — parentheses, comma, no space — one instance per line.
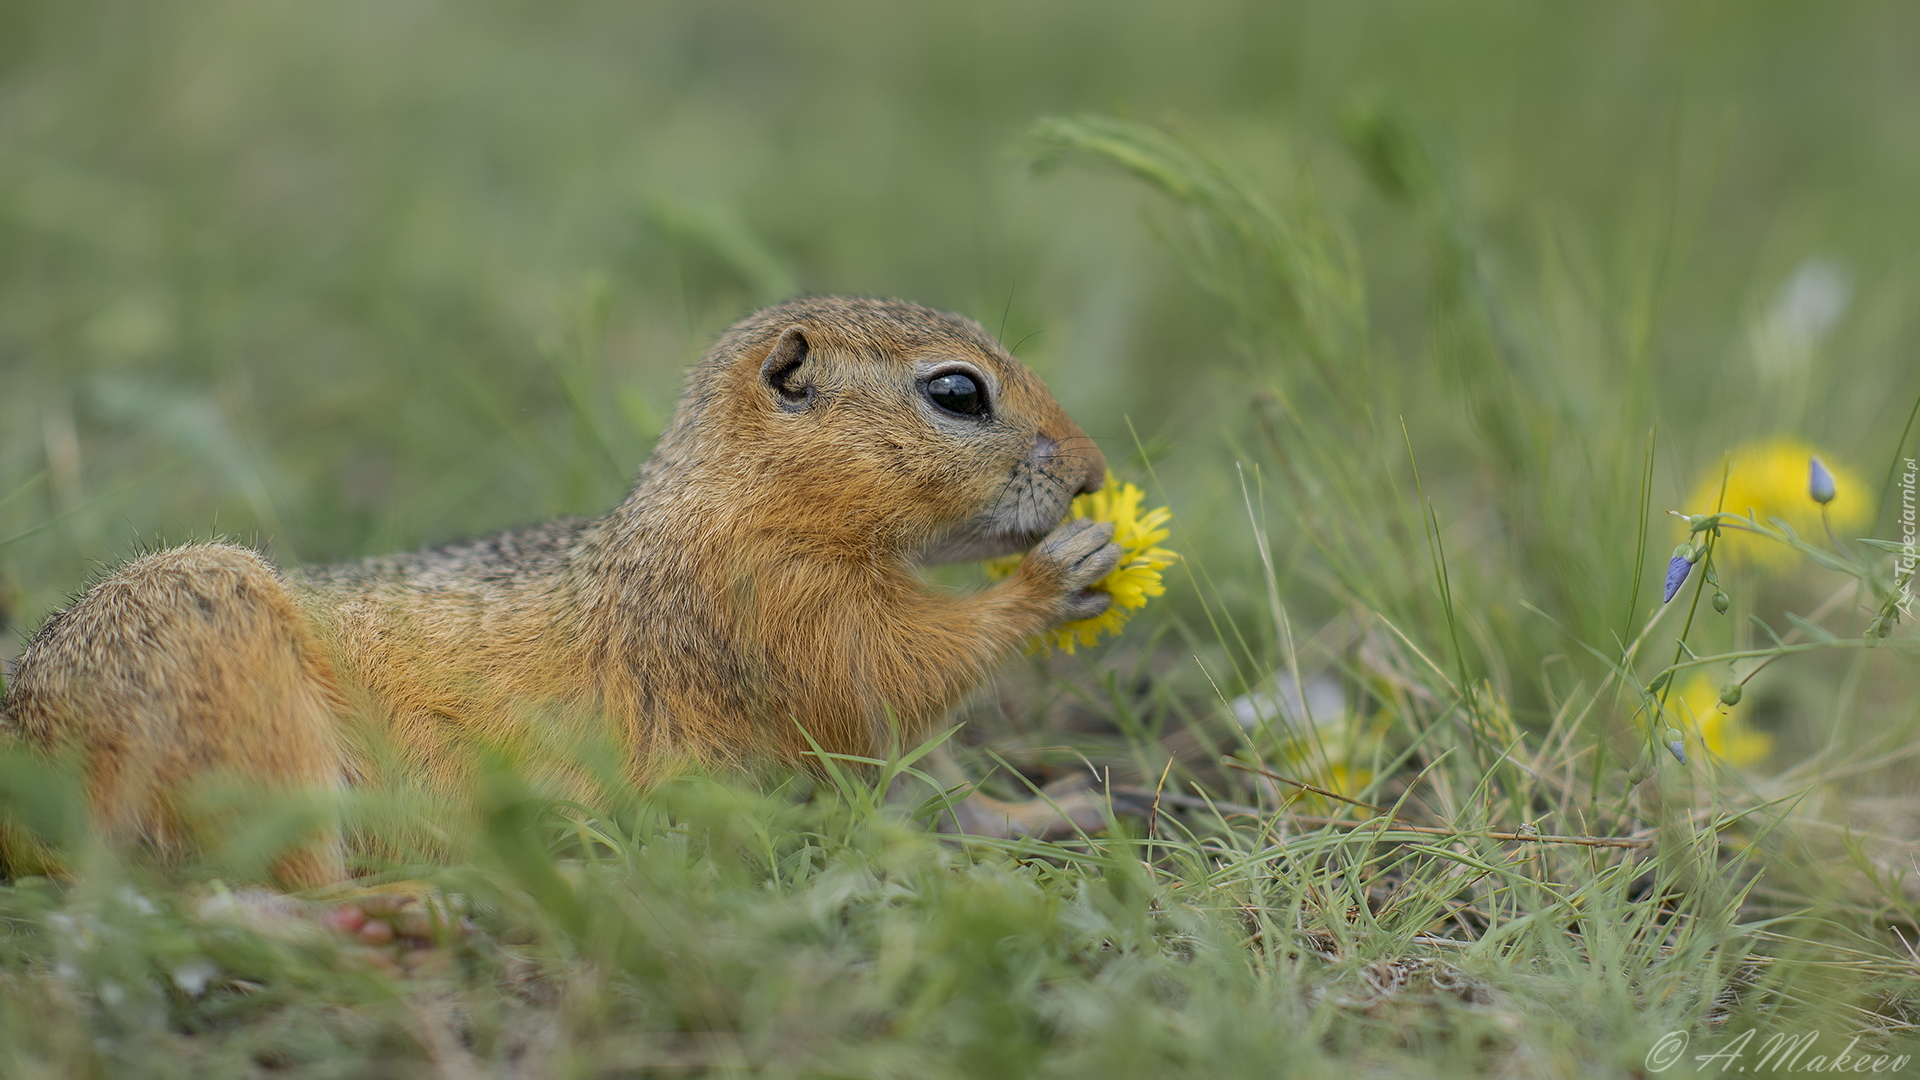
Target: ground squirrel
(757,581)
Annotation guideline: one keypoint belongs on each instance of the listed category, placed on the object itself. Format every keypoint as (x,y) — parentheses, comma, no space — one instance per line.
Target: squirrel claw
(1087,604)
(1069,560)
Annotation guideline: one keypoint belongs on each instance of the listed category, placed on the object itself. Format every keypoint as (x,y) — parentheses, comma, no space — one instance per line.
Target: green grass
(1419,315)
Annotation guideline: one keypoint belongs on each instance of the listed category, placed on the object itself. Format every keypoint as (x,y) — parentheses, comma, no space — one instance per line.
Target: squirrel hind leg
(179,669)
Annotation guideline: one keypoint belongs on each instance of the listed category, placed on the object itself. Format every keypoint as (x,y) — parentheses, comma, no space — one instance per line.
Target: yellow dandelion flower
(1771,479)
(1340,777)
(1132,583)
(1717,728)
(1333,757)
(1348,780)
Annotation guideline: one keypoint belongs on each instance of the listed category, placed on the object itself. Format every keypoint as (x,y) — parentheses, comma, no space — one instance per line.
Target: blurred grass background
(351,278)
(333,269)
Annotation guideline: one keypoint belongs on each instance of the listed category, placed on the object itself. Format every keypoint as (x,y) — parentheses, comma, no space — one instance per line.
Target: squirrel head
(879,425)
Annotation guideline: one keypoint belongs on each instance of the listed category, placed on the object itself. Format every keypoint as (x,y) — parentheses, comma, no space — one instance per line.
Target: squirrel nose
(1093,466)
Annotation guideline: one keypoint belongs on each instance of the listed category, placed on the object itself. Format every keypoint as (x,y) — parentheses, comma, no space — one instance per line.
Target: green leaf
(1813,630)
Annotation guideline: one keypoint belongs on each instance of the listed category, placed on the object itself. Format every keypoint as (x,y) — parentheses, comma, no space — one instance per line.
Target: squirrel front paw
(1071,558)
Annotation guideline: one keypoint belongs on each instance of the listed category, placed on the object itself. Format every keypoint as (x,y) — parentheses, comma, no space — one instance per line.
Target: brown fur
(757,581)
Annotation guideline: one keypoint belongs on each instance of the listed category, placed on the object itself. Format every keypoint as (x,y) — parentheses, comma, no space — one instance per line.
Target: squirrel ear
(786,370)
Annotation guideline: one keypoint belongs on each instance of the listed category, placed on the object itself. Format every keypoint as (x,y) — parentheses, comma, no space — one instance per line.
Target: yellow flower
(1719,731)
(1334,757)
(1770,478)
(1132,582)
(1348,780)
(1339,777)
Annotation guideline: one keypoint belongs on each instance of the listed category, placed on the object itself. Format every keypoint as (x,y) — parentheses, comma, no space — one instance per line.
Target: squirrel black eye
(958,393)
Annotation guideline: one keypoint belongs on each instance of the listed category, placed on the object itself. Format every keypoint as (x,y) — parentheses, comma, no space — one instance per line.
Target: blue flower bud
(1677,571)
(1678,750)
(1819,481)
